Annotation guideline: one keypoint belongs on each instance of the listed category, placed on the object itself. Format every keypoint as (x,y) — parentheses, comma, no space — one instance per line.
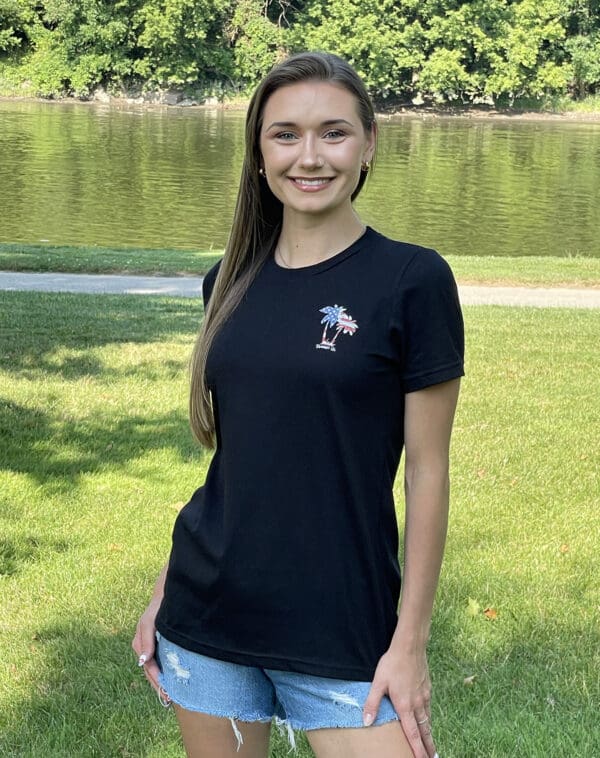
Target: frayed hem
(382,722)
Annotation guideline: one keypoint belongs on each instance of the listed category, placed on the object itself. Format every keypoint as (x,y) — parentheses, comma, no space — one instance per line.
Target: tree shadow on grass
(18,552)
(90,699)
(57,451)
(34,326)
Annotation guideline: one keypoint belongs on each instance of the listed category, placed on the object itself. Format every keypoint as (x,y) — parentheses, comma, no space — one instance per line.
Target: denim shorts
(247,693)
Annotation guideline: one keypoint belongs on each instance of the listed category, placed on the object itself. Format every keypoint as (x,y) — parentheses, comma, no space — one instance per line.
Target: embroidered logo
(336,318)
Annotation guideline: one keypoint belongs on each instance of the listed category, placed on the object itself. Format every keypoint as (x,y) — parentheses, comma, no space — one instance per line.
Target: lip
(310,184)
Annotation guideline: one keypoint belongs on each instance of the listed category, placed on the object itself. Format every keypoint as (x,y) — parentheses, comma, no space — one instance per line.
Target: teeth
(311,182)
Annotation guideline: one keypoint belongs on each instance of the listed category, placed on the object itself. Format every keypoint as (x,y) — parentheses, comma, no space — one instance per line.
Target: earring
(261,171)
(365,166)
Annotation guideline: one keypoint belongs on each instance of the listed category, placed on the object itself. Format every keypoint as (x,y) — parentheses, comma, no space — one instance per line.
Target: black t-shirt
(287,557)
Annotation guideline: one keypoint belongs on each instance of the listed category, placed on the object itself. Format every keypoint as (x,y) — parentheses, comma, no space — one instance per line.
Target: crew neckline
(316,268)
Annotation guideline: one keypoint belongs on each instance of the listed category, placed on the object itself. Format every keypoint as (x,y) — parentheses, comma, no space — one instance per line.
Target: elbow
(430,473)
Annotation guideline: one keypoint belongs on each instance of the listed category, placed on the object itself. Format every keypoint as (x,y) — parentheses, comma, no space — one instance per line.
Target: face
(312,144)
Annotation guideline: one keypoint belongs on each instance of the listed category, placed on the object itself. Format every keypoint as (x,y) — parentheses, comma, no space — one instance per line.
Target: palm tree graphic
(336,317)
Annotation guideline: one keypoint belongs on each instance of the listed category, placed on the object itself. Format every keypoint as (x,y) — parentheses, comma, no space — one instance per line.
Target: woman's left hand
(404,678)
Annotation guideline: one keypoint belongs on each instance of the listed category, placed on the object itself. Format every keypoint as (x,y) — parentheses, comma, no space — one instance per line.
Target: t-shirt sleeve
(427,324)
(209,282)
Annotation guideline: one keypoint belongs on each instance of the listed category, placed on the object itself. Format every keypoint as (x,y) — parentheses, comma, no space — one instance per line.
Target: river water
(74,173)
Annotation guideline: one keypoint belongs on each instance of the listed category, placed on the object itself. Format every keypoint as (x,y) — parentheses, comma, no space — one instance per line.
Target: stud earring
(261,171)
(365,166)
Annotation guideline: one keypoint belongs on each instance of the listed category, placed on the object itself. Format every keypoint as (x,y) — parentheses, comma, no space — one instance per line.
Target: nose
(309,156)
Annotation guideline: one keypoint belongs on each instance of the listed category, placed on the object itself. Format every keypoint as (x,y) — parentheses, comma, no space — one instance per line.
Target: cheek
(275,157)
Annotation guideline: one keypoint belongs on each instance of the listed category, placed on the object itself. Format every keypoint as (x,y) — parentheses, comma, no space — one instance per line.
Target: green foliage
(48,67)
(585,56)
(183,41)
(256,39)
(16,17)
(442,50)
(70,47)
(379,39)
(10,19)
(532,52)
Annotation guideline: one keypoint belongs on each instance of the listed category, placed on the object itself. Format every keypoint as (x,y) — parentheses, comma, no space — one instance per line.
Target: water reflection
(74,173)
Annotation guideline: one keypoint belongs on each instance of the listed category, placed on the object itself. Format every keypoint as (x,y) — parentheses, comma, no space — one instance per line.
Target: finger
(147,638)
(412,731)
(136,643)
(424,724)
(372,703)
(144,642)
(427,739)
(163,697)
(151,672)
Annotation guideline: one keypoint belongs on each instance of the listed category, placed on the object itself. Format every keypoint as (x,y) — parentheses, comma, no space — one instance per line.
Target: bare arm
(428,425)
(402,672)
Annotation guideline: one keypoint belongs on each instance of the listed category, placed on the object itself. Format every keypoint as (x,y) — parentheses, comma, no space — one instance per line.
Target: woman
(326,348)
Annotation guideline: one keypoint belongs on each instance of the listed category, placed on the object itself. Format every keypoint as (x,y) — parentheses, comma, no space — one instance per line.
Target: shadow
(91,700)
(88,699)
(34,326)
(16,554)
(55,451)
(44,335)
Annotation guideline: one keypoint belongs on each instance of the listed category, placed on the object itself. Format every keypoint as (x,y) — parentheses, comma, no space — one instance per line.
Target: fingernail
(142,659)
(368,719)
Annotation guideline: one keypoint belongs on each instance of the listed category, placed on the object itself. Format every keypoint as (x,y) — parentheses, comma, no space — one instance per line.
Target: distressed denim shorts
(246,693)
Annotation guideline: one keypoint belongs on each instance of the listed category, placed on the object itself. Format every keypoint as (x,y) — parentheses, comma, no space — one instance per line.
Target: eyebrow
(329,122)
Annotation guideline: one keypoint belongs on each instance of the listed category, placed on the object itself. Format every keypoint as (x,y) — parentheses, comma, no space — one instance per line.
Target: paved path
(183,286)
(189,286)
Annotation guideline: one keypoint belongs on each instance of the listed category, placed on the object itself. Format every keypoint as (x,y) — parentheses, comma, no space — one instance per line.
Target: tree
(257,39)
(377,37)
(183,41)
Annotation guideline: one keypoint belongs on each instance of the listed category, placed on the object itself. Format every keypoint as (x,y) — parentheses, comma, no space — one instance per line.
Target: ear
(369,151)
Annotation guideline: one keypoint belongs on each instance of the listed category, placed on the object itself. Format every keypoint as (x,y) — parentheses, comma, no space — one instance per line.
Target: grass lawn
(576,271)
(96,459)
(103,260)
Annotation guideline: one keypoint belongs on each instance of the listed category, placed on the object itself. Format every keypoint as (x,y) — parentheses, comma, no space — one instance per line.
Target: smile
(310,184)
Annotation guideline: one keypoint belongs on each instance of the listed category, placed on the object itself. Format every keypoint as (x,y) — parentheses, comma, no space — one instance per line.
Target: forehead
(309,102)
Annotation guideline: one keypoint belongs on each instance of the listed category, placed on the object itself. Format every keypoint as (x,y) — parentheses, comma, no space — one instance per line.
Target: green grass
(96,459)
(574,271)
(101,260)
(532,271)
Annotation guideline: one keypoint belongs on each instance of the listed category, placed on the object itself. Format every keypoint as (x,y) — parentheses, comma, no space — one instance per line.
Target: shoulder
(409,264)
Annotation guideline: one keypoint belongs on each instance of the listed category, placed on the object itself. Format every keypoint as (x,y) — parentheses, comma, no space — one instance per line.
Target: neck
(304,242)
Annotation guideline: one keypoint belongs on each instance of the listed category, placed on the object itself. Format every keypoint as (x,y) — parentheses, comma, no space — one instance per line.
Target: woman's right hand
(144,644)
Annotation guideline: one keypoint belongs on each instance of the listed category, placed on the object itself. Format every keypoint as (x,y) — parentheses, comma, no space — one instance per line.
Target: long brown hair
(258,217)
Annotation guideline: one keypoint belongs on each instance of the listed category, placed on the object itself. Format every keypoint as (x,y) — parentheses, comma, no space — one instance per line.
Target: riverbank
(555,109)
(523,271)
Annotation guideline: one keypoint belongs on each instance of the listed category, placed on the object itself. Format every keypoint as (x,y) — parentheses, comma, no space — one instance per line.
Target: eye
(285,136)
(335,134)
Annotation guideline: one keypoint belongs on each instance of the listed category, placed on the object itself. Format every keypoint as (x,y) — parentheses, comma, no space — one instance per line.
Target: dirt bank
(172,101)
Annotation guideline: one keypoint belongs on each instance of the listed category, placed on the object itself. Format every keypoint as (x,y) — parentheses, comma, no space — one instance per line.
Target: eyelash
(337,134)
